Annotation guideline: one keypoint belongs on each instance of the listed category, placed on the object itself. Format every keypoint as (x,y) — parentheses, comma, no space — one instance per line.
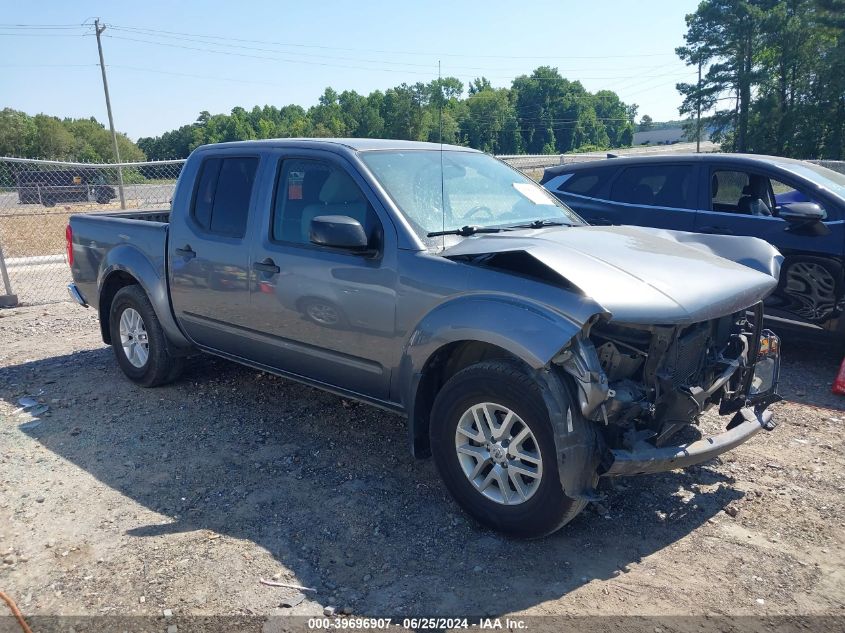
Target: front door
(322,313)
(746,202)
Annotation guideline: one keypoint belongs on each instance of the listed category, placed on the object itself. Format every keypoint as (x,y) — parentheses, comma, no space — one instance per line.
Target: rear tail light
(69,240)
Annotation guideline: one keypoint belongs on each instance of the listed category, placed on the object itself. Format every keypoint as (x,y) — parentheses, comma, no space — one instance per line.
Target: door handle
(186,251)
(267,266)
(601,222)
(715,230)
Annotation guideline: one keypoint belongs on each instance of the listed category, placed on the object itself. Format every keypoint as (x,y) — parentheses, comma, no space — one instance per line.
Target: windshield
(474,190)
(831,180)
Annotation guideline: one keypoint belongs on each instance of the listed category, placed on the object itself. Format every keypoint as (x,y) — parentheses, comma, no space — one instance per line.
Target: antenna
(442,177)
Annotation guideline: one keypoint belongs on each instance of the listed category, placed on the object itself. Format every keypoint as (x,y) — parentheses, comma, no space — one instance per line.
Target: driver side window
(306,189)
(747,193)
(740,192)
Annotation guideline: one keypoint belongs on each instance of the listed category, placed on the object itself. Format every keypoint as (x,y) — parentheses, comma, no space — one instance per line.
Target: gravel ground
(121,500)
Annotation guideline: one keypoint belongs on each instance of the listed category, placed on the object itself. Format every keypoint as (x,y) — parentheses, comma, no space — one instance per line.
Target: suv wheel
(492,441)
(138,341)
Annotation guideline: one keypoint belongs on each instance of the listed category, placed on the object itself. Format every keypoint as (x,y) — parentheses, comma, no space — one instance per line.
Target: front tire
(493,444)
(138,341)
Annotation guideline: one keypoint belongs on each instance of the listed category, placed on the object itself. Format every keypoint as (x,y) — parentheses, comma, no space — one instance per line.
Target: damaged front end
(645,384)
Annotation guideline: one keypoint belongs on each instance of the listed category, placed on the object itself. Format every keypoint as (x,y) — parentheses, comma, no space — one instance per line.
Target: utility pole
(99,29)
(698,115)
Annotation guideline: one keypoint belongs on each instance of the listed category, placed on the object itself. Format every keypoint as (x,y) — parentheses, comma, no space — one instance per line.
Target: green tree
(17,133)
(778,66)
(541,112)
(725,36)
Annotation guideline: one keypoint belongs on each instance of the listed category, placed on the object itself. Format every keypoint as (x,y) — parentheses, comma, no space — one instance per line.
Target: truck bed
(145,215)
(102,241)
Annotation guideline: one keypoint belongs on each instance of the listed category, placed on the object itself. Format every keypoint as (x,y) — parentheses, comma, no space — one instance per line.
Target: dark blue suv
(798,207)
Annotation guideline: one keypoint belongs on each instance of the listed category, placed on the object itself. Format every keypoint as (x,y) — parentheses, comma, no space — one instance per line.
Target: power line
(278,59)
(204,41)
(392,52)
(47,65)
(584,98)
(40,26)
(42,35)
(354,67)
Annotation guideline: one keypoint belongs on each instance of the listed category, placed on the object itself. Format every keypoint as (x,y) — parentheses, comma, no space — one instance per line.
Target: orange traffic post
(839,384)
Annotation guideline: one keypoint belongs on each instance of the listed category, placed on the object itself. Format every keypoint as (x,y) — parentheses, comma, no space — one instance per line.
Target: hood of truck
(640,275)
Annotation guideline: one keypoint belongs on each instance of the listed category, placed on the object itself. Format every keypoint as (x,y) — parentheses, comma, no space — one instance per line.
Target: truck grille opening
(663,377)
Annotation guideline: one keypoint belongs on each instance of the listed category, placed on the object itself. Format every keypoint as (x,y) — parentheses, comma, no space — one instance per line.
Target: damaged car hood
(642,275)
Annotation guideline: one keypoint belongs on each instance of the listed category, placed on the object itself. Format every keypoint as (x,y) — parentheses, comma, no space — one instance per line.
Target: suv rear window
(581,183)
(656,186)
(221,203)
(586,182)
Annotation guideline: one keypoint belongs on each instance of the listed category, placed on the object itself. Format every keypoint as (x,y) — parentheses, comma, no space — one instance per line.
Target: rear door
(660,195)
(745,201)
(208,256)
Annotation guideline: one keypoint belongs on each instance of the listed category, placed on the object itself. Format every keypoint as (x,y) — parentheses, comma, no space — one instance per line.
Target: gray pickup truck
(532,354)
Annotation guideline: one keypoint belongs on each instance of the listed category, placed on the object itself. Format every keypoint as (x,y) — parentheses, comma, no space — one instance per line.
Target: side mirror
(339,231)
(804,212)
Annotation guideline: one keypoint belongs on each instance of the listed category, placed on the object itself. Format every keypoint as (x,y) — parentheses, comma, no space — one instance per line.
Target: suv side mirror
(805,212)
(340,231)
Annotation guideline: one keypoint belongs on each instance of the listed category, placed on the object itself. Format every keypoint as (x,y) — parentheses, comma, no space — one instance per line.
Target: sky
(169,60)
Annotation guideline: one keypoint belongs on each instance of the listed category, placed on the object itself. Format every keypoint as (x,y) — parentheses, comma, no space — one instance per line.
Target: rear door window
(582,184)
(224,190)
(656,186)
(588,182)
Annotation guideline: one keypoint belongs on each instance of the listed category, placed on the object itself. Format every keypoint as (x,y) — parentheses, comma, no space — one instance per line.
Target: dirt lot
(121,500)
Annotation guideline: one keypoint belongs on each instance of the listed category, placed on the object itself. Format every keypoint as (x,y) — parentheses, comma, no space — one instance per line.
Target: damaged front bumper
(646,458)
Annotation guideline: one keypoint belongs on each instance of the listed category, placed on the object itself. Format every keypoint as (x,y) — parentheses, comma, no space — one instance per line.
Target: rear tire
(533,505)
(139,343)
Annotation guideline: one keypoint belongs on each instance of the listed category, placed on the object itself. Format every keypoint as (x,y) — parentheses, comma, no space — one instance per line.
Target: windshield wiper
(466,231)
(539,224)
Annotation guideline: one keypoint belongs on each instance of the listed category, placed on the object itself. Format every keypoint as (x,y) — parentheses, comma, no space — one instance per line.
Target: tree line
(773,75)
(541,113)
(48,137)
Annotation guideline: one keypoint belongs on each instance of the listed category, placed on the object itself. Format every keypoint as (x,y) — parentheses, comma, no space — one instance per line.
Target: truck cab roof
(354,144)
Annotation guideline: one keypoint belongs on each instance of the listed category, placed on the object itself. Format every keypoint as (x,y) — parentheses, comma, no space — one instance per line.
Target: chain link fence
(38,197)
(36,200)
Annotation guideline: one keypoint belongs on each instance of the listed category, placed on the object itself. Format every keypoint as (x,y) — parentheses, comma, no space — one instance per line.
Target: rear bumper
(76,295)
(649,459)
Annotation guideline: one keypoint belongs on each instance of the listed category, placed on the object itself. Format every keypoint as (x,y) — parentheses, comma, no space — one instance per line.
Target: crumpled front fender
(527,330)
(578,444)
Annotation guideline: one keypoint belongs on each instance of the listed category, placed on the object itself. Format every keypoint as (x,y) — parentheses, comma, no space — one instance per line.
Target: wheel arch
(126,265)
(112,284)
(466,331)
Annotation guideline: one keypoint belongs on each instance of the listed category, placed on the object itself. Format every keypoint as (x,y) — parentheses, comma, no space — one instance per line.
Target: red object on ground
(69,241)
(839,384)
